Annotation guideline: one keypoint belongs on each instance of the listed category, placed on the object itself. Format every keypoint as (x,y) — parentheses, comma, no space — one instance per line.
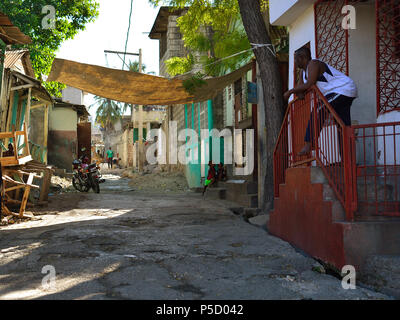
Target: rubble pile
(59,184)
(153,179)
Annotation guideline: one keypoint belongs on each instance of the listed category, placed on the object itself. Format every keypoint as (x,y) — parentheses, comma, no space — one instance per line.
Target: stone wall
(174,43)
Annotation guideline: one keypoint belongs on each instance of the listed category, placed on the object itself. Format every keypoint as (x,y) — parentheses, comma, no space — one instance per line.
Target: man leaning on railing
(338,89)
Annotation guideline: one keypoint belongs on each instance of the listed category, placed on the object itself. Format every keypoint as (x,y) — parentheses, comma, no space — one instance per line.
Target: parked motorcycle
(86,176)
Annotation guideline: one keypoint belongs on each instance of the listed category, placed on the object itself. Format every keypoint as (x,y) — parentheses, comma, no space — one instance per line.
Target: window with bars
(331,39)
(388,55)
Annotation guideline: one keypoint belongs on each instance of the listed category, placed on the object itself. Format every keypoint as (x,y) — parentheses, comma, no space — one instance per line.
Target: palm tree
(108,112)
(133,67)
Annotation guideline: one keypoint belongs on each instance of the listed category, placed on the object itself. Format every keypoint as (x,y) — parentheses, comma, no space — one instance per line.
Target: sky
(108,32)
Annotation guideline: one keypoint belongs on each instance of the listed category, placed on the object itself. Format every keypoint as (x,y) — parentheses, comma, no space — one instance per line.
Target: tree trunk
(271,83)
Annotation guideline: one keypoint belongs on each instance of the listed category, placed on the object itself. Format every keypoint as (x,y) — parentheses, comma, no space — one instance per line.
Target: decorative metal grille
(331,39)
(388,55)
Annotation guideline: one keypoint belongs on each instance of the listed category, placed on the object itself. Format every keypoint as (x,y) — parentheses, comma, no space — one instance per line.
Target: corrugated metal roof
(13,56)
(80,109)
(11,34)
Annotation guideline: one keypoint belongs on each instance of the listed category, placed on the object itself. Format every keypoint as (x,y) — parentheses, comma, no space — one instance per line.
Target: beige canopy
(136,88)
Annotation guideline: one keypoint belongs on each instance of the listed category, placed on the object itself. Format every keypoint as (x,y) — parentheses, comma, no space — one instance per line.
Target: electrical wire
(127,34)
(255,46)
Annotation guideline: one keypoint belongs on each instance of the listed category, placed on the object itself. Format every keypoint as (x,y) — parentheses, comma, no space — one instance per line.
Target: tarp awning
(136,88)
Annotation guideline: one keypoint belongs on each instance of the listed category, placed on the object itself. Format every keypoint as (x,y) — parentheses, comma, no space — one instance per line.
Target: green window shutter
(144,134)
(135,135)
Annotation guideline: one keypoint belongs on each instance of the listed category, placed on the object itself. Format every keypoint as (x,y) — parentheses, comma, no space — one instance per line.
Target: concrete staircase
(308,215)
(244,193)
(241,192)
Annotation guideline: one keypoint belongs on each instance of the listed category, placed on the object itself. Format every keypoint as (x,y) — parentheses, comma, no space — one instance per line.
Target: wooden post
(15,143)
(26,195)
(28,108)
(44,191)
(5,102)
(46,130)
(140,145)
(27,151)
(8,113)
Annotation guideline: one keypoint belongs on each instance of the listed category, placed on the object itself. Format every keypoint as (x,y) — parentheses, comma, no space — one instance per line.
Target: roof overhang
(161,23)
(38,90)
(284,13)
(11,34)
(13,56)
(80,109)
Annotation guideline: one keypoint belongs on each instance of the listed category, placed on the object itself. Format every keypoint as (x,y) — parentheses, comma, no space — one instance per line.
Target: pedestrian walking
(110,156)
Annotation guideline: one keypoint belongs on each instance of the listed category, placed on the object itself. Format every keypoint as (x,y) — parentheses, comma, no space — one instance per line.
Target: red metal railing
(377,163)
(291,138)
(361,163)
(330,140)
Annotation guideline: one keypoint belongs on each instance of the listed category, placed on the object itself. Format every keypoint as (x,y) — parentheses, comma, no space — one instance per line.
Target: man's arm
(313,73)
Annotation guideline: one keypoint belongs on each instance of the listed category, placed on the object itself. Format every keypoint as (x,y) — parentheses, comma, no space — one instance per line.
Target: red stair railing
(331,146)
(377,168)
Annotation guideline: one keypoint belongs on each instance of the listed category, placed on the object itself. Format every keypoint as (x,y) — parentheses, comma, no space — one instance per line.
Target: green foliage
(212,30)
(133,67)
(108,112)
(178,65)
(71,17)
(193,83)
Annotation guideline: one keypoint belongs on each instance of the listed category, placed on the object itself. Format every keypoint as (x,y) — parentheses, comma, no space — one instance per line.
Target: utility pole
(139,150)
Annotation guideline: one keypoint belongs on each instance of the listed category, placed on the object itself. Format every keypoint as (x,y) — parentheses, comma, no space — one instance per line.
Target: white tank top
(334,81)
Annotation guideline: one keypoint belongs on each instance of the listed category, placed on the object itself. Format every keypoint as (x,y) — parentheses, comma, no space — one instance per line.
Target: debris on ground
(59,185)
(317,267)
(156,180)
(14,219)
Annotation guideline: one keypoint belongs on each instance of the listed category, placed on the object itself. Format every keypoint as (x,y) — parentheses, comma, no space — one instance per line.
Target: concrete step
(260,220)
(215,193)
(318,176)
(308,215)
(245,200)
(240,186)
(197,189)
(251,212)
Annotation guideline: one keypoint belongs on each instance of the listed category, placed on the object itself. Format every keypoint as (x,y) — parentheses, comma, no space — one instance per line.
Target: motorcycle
(86,176)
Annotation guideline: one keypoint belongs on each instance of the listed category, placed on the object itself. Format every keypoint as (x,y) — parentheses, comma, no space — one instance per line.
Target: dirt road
(127,244)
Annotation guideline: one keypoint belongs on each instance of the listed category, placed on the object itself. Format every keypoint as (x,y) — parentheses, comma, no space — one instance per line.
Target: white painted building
(73,96)
(319,25)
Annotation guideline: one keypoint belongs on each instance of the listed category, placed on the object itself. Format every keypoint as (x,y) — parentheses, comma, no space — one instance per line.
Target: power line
(127,34)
